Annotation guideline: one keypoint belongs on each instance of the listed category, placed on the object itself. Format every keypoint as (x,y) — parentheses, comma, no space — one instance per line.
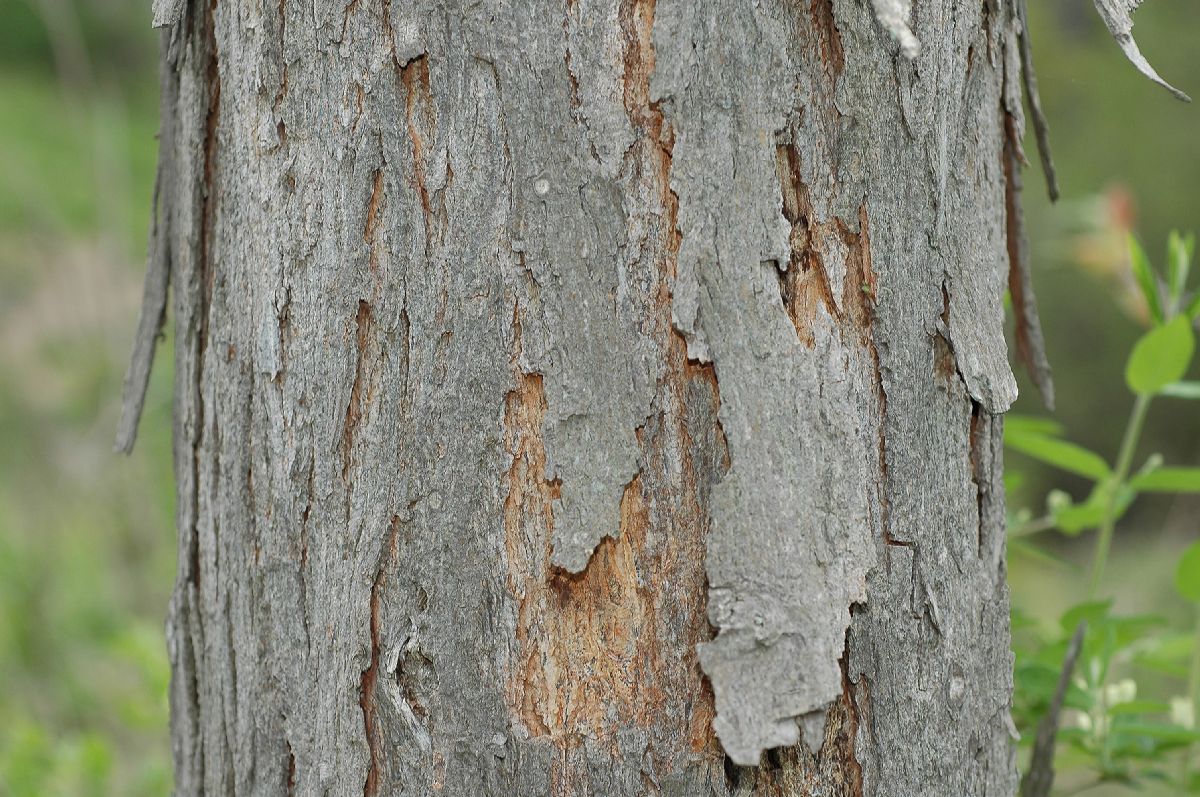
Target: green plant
(1108,728)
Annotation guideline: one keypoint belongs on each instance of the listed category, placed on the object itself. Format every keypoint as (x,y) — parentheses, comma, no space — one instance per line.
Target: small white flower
(1057,500)
(1123,691)
(1183,713)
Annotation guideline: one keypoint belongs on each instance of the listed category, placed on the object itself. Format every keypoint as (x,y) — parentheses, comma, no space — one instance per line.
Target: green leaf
(1133,630)
(1168,480)
(1013,481)
(1187,573)
(1160,357)
(1171,734)
(1074,518)
(1025,548)
(1031,424)
(1183,390)
(1179,260)
(1193,308)
(1094,612)
(1143,272)
(1139,707)
(1037,682)
(1167,653)
(1059,453)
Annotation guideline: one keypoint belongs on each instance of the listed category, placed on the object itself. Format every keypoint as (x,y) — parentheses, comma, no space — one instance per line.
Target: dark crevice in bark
(860,287)
(206,269)
(309,494)
(829,38)
(354,408)
(573,96)
(572,78)
(390,32)
(816,767)
(347,12)
(370,677)
(191,642)
(868,299)
(290,783)
(945,357)
(281,92)
(804,284)
(420,121)
(229,718)
(208,187)
(372,223)
(850,696)
(861,293)
(284,323)
(366,698)
(977,438)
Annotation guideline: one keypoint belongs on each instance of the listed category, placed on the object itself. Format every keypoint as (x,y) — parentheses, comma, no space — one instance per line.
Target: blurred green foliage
(86,538)
(1111,732)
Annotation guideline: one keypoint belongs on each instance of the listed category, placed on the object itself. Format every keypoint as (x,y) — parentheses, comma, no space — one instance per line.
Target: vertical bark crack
(803,283)
(420,121)
(366,698)
(363,323)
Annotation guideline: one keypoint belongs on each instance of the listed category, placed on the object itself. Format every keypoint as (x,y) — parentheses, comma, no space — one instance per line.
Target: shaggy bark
(590,397)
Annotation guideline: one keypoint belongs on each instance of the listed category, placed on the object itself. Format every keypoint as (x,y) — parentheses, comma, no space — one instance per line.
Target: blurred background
(86,537)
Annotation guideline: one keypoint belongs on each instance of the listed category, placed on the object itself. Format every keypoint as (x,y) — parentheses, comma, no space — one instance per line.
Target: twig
(1041,129)
(1040,778)
(158,275)
(1031,343)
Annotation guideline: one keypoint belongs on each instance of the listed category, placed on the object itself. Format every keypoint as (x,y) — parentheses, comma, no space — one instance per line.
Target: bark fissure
(363,322)
(420,122)
(803,283)
(367,698)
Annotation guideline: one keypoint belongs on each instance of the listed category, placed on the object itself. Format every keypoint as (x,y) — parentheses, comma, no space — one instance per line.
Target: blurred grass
(86,538)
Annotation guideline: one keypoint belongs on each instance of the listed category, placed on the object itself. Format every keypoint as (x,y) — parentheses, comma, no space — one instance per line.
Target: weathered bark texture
(585,397)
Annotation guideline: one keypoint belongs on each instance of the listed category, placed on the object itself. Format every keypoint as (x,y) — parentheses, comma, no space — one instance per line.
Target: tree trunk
(588,397)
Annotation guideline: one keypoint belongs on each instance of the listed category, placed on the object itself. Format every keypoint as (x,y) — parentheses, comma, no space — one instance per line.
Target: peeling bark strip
(158,272)
(1118,18)
(1031,346)
(587,398)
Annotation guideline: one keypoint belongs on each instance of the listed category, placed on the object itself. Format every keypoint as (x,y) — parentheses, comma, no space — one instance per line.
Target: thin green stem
(1133,432)
(1029,528)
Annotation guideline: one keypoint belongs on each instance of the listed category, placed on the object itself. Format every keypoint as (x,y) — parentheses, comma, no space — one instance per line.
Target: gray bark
(589,397)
